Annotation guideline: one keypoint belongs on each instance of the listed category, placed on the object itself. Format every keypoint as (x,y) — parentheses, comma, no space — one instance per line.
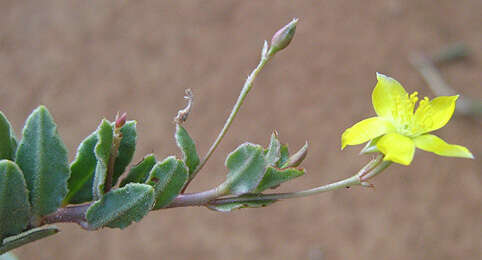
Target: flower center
(404,119)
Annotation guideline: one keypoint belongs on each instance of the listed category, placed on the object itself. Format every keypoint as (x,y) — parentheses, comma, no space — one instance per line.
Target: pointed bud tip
(120,121)
(282,38)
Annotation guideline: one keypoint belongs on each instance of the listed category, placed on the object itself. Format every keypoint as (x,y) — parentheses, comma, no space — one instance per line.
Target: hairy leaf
(42,156)
(188,148)
(8,143)
(168,178)
(274,177)
(105,136)
(246,167)
(14,205)
(126,149)
(118,208)
(273,152)
(82,172)
(26,237)
(140,172)
(284,156)
(228,207)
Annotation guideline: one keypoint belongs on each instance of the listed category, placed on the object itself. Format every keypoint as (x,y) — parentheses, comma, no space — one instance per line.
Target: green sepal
(296,159)
(127,148)
(284,156)
(42,156)
(26,237)
(272,154)
(8,142)
(371,146)
(274,177)
(82,172)
(188,148)
(228,207)
(139,173)
(246,167)
(105,137)
(119,207)
(14,204)
(168,178)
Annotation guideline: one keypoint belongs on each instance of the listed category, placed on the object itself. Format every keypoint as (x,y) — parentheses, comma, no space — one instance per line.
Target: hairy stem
(244,92)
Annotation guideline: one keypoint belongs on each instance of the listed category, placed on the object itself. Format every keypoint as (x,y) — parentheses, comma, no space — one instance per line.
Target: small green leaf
(188,148)
(273,152)
(274,177)
(42,156)
(118,208)
(8,256)
(284,156)
(8,143)
(139,173)
(168,178)
(82,172)
(26,237)
(228,207)
(105,137)
(246,167)
(126,149)
(14,205)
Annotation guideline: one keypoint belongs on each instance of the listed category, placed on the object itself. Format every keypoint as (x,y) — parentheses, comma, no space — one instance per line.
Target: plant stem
(70,214)
(244,92)
(373,168)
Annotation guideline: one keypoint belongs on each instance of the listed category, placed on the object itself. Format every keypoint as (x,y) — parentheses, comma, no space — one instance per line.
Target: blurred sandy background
(89,59)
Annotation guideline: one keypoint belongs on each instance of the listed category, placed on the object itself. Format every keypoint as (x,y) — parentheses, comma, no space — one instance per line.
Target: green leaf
(8,143)
(273,152)
(14,205)
(274,177)
(42,156)
(168,178)
(82,172)
(118,208)
(140,172)
(8,256)
(188,148)
(246,167)
(26,237)
(284,156)
(105,137)
(126,149)
(228,207)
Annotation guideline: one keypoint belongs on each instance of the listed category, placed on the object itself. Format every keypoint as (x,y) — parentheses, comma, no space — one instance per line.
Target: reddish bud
(120,121)
(283,37)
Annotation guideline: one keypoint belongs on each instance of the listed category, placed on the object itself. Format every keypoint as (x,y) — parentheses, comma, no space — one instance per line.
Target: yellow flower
(397,130)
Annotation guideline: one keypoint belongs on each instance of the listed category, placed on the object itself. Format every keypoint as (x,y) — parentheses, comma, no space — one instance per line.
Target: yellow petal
(365,130)
(434,114)
(387,95)
(432,143)
(397,148)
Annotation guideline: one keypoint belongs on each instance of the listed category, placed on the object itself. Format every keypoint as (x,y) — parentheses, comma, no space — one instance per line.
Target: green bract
(400,128)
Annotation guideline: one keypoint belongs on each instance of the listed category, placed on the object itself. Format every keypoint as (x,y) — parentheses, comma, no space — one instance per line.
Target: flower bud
(283,37)
(120,121)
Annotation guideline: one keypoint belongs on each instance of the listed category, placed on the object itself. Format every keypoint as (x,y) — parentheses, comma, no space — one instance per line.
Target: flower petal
(365,130)
(386,95)
(397,148)
(432,143)
(436,113)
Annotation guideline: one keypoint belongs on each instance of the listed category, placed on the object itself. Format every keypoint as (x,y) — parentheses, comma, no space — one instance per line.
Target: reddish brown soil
(88,60)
